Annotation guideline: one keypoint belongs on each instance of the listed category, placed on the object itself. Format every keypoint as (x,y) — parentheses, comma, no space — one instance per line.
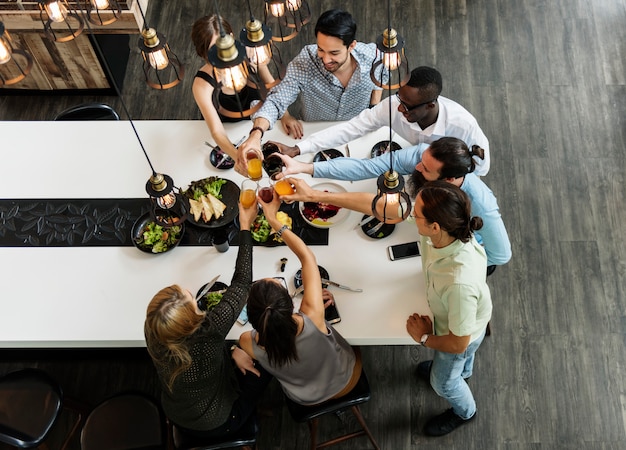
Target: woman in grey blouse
(311,360)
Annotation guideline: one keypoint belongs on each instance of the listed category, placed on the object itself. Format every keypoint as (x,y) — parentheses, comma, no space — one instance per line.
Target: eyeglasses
(408,108)
(415,216)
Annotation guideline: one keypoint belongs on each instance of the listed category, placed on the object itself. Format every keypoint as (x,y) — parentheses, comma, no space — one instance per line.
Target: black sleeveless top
(246,96)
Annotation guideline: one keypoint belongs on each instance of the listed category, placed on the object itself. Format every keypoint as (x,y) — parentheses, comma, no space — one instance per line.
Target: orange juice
(283,187)
(255,169)
(247,198)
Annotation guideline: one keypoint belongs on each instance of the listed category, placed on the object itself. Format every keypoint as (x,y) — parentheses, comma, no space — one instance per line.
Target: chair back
(88,111)
(30,402)
(124,421)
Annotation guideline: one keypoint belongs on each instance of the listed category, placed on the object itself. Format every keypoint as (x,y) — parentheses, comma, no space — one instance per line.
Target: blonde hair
(170,319)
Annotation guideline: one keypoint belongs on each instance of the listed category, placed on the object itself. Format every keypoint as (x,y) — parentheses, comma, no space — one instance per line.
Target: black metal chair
(245,438)
(311,414)
(88,111)
(30,403)
(125,421)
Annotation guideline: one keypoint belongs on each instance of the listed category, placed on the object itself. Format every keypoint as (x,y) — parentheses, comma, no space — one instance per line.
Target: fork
(372,231)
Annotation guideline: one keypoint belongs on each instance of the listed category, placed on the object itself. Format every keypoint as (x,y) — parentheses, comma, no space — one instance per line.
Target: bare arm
(312,303)
(417,326)
(356,201)
(376,96)
(203,95)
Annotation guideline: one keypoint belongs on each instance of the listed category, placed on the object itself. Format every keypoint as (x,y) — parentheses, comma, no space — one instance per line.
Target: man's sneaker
(444,423)
(423,370)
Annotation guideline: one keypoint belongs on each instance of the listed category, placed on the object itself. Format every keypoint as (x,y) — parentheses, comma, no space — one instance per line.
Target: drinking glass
(247,197)
(255,166)
(266,190)
(272,163)
(284,187)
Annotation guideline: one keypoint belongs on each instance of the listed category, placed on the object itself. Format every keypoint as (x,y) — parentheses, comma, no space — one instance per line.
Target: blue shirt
(492,235)
(323,95)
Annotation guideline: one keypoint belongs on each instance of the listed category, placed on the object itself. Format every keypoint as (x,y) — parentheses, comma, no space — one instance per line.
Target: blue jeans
(447,378)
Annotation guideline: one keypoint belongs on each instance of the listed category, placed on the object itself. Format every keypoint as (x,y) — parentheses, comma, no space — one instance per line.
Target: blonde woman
(207,388)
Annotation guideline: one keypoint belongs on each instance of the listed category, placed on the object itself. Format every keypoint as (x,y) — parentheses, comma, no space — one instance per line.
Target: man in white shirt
(419,115)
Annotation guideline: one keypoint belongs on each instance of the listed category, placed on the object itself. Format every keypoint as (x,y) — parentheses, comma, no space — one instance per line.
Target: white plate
(341,215)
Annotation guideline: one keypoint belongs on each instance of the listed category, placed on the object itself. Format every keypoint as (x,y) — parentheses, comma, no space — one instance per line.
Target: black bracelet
(257,129)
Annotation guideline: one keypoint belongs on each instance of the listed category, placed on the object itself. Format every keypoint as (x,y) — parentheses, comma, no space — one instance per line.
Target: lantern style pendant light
(103,12)
(277,18)
(161,67)
(228,58)
(11,70)
(260,49)
(61,22)
(391,204)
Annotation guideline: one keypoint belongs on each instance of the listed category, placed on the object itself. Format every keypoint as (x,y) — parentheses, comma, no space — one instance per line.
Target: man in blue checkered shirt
(331,77)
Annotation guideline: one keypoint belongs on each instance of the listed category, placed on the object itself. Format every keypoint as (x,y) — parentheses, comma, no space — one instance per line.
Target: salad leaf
(158,239)
(214,187)
(211,185)
(212,299)
(260,229)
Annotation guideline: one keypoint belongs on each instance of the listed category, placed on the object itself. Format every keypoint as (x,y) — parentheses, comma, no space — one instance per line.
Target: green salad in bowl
(151,237)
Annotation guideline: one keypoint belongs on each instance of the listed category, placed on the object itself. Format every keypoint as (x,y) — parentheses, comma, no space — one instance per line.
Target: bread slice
(217,205)
(196,209)
(207,209)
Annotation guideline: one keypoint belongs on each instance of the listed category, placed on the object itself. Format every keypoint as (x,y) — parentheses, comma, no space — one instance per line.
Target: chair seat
(89,111)
(125,421)
(30,402)
(245,436)
(359,394)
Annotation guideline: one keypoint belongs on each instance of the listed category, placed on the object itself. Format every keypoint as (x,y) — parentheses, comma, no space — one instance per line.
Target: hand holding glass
(247,197)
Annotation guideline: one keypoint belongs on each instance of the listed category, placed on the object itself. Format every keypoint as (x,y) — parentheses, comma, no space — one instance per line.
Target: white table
(97,296)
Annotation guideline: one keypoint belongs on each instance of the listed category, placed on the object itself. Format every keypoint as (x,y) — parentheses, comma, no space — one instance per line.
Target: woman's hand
(293,167)
(244,362)
(292,126)
(247,216)
(417,326)
(304,192)
(328,297)
(270,209)
(252,144)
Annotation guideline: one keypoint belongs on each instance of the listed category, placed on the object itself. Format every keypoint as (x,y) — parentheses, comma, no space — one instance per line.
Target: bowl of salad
(150,237)
(213,297)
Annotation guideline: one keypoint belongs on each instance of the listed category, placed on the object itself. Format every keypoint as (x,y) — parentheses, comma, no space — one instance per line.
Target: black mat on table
(106,222)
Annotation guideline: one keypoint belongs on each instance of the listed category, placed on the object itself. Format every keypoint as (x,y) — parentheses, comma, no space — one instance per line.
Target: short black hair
(426,78)
(337,23)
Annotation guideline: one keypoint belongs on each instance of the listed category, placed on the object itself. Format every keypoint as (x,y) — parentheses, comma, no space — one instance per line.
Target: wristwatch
(423,339)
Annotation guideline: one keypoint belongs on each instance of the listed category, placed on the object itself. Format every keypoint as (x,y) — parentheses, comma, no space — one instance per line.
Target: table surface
(76,297)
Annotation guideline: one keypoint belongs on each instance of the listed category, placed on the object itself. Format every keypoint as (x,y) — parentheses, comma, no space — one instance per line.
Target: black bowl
(382,147)
(221,160)
(297,279)
(202,301)
(381,233)
(331,153)
(230,197)
(136,234)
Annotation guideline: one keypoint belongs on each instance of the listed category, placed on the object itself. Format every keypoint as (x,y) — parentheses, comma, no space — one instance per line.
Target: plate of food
(297,279)
(382,147)
(212,202)
(150,237)
(220,160)
(326,155)
(213,297)
(263,233)
(375,230)
(324,215)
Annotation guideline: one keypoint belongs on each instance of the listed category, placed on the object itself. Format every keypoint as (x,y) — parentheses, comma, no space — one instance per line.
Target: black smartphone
(401,251)
(331,314)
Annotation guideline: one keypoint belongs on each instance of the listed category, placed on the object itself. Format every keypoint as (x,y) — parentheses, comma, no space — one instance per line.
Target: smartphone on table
(243,316)
(402,251)
(331,314)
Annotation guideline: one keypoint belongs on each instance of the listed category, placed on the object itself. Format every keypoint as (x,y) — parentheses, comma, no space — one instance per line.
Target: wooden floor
(546,80)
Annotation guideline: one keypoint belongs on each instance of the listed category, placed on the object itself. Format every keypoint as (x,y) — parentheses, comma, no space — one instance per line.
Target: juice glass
(284,187)
(255,166)
(247,197)
(266,190)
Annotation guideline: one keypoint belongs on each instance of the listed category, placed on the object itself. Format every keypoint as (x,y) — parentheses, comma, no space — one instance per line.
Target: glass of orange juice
(247,196)
(255,166)
(284,187)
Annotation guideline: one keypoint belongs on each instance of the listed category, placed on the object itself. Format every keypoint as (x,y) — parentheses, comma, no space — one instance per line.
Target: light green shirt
(456,287)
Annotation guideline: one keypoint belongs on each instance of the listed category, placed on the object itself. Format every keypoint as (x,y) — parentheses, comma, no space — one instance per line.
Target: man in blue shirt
(446,159)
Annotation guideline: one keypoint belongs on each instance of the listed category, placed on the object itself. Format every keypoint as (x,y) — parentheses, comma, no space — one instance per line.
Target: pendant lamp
(61,22)
(161,67)
(103,12)
(286,18)
(391,204)
(260,49)
(12,69)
